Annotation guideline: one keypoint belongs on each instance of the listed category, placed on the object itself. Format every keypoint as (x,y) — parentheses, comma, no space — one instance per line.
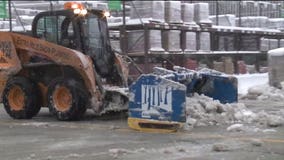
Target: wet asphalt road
(101,138)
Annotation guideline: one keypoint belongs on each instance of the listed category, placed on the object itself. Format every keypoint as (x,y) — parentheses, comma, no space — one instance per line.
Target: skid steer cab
(66,64)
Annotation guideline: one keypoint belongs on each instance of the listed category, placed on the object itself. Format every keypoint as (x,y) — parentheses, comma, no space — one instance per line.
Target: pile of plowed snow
(264,92)
(204,111)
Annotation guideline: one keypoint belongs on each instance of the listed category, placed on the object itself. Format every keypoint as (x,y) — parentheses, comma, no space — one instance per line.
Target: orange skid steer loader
(65,64)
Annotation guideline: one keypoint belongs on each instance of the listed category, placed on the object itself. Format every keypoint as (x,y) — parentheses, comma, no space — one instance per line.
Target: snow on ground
(245,81)
(264,92)
(204,111)
(255,86)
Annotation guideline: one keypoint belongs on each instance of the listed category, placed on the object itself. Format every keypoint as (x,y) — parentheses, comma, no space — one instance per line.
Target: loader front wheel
(66,99)
(20,98)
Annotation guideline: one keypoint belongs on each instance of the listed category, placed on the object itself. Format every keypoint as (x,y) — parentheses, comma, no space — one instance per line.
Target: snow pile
(264,92)
(204,111)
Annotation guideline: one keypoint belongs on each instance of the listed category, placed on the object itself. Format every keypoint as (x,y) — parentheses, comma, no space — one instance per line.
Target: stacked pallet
(176,12)
(276,23)
(226,7)
(135,41)
(148,11)
(249,8)
(204,42)
(201,12)
(264,44)
(268,44)
(190,41)
(281,43)
(224,20)
(253,22)
(226,43)
(187,13)
(173,12)
(171,41)
(249,43)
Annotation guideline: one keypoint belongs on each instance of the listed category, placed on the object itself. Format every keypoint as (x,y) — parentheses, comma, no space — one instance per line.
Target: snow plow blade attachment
(219,87)
(157,101)
(156,104)
(211,83)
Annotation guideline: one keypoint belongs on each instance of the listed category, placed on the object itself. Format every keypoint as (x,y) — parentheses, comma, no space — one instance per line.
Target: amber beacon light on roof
(78,8)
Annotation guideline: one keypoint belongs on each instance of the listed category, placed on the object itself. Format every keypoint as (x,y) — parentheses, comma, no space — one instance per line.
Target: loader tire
(21,98)
(66,99)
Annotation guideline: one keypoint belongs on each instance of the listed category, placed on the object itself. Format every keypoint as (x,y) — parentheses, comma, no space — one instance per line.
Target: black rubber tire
(31,102)
(78,105)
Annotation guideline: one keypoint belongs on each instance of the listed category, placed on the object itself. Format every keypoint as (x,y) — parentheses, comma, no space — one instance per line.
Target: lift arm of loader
(15,46)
